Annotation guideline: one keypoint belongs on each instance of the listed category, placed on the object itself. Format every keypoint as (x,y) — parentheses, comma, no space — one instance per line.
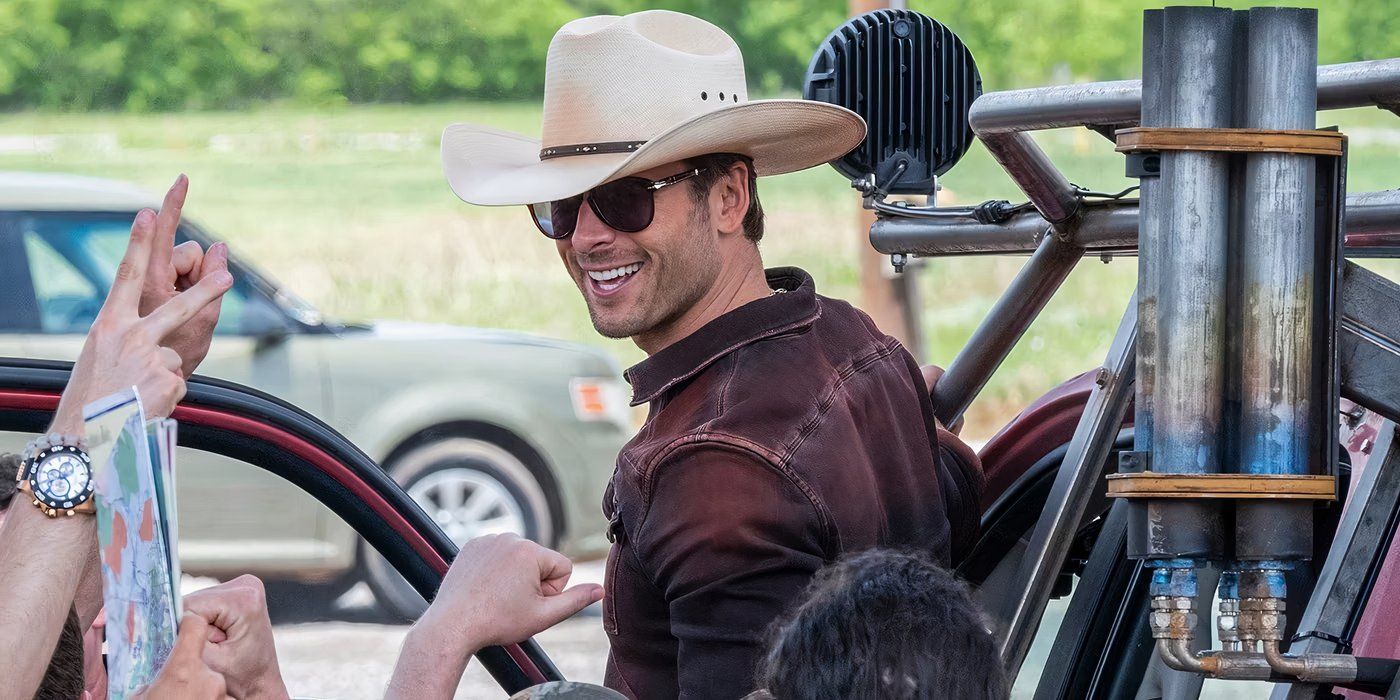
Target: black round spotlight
(913,81)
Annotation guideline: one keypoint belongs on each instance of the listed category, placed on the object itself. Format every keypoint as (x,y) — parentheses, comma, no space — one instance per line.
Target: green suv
(487,430)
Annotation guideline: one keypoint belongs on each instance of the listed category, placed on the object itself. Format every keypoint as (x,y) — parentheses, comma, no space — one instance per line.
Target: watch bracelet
(48,440)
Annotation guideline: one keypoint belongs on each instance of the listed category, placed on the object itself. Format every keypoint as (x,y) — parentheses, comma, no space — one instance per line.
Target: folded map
(133,462)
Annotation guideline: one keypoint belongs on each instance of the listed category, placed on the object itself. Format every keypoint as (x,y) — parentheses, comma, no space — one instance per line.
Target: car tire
(470,487)
(290,602)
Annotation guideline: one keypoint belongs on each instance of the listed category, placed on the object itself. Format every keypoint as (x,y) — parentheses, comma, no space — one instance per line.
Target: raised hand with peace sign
(173,269)
(153,350)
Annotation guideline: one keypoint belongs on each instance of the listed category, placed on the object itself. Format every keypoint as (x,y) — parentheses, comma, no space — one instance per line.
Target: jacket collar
(750,323)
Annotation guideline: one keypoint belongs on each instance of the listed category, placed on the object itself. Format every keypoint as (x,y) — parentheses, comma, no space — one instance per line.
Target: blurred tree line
(151,55)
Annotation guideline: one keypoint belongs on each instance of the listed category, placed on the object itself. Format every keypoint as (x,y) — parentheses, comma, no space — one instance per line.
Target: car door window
(72,260)
(68,300)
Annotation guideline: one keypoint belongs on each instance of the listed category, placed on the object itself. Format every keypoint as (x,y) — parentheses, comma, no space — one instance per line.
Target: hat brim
(491,167)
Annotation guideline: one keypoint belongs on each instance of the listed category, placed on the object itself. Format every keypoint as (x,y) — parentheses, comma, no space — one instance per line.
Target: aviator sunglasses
(627,204)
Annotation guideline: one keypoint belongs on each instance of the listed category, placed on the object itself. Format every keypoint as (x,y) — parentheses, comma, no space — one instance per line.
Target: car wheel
(294,601)
(469,487)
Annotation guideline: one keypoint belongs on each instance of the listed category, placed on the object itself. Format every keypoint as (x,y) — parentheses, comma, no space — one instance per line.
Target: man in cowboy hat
(784,427)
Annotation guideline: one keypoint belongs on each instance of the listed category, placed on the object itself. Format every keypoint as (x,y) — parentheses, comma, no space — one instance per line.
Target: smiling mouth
(608,281)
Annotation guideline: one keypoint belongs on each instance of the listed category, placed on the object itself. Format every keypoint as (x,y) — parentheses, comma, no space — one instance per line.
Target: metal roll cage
(1060,225)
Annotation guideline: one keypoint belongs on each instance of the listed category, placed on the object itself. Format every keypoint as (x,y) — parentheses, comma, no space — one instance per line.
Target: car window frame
(17,267)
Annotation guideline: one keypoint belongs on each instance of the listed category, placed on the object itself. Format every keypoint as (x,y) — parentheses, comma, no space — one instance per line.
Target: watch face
(61,477)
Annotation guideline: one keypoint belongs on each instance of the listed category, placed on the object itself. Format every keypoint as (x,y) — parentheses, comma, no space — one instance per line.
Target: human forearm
(500,589)
(87,599)
(68,417)
(431,661)
(38,556)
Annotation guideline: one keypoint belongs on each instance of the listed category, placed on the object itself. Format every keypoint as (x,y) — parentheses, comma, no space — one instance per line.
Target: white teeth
(605,275)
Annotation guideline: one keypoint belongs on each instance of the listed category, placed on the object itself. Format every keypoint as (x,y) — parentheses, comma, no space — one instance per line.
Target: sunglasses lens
(541,215)
(625,204)
(556,219)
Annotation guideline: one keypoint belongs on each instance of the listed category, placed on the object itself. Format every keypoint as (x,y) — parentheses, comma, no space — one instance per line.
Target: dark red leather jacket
(780,436)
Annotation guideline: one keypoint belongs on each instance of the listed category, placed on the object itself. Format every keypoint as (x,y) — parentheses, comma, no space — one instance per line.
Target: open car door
(244,424)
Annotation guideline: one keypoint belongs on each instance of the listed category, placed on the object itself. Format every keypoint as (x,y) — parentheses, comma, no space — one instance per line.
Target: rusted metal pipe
(1286,665)
(1237,666)
(1312,668)
(1178,655)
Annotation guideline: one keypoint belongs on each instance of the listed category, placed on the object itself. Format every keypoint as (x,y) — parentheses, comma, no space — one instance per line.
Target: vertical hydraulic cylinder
(1277,284)
(1187,212)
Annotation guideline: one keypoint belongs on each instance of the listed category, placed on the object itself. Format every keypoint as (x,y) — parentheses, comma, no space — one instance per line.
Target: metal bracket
(1316,487)
(1134,462)
(1312,142)
(1344,646)
(1142,164)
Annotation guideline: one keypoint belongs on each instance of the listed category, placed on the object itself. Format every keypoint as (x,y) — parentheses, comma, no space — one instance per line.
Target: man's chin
(616,329)
(616,324)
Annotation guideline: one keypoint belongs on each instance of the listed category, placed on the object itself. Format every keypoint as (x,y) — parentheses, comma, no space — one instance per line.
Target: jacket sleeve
(731,542)
(962,481)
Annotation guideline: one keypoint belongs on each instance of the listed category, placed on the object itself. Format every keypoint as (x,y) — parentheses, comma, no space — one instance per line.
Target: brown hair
(64,679)
(9,469)
(712,168)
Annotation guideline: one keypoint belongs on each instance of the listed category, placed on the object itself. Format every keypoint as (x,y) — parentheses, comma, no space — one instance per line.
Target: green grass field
(348,207)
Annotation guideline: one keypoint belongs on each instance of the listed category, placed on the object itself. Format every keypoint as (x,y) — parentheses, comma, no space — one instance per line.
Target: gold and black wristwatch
(57,473)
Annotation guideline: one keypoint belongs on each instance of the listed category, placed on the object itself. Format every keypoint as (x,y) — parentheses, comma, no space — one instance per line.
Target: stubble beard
(694,270)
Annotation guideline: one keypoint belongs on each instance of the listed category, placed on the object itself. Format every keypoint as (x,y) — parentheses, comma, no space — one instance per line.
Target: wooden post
(889,298)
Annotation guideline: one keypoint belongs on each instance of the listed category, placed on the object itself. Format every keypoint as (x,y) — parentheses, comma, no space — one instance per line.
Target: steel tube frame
(1004,325)
(1119,102)
(1372,230)
(1372,221)
(1356,547)
(1031,169)
(1083,466)
(1368,340)
(1107,228)
(1000,120)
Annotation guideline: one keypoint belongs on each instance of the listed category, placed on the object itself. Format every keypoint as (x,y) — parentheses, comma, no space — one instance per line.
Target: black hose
(1375,676)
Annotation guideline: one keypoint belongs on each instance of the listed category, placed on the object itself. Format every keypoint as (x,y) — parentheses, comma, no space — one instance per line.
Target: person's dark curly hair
(883,624)
(9,469)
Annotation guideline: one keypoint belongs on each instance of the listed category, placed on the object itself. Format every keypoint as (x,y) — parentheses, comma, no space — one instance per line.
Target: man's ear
(731,196)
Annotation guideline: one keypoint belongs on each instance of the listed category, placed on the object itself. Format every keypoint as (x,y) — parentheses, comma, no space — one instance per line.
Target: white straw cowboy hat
(626,94)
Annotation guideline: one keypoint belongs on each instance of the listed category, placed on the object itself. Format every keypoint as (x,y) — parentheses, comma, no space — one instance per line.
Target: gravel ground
(353,657)
(354,660)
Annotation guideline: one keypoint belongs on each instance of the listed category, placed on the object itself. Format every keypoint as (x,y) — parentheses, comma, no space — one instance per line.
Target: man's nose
(590,232)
